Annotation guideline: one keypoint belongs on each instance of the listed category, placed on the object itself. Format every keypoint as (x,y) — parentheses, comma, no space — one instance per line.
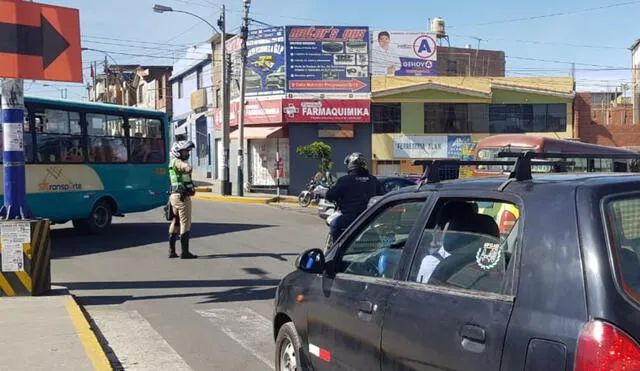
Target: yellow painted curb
(87,337)
(204,189)
(244,200)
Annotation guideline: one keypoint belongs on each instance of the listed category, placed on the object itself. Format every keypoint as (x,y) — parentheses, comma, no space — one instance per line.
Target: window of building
(218,102)
(455,118)
(386,117)
(58,136)
(180,89)
(161,88)
(199,82)
(146,144)
(524,118)
(106,138)
(141,94)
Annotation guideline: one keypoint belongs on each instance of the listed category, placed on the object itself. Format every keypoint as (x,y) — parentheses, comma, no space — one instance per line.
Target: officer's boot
(173,237)
(184,242)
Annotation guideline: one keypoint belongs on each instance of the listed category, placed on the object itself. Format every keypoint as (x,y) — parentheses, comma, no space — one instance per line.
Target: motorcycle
(312,193)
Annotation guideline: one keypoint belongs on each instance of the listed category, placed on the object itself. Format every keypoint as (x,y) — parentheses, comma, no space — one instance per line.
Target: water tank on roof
(437,27)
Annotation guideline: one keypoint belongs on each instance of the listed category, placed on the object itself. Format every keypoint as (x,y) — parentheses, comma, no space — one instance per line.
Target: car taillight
(507,221)
(602,346)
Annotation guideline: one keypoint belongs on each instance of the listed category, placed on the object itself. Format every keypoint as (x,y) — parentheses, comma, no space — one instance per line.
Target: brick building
(470,62)
(605,124)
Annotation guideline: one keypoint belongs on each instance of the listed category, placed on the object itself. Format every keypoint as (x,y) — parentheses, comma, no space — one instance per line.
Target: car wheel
(289,355)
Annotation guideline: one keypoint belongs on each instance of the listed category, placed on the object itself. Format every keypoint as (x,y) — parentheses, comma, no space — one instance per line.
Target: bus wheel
(99,219)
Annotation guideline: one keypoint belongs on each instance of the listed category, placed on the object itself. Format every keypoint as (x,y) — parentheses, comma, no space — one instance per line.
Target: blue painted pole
(15,206)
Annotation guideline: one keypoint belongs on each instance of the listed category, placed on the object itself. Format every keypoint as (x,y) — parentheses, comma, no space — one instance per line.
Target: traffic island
(25,255)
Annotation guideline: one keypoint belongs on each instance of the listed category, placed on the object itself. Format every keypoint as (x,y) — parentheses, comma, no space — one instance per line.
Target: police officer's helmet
(355,161)
(184,145)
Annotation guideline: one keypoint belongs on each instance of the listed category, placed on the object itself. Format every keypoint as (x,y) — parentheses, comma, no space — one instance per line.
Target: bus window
(58,136)
(145,141)
(106,138)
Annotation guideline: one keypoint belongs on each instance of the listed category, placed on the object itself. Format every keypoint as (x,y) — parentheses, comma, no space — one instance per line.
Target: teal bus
(88,162)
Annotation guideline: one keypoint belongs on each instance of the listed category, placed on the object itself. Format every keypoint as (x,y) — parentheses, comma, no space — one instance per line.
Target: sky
(539,38)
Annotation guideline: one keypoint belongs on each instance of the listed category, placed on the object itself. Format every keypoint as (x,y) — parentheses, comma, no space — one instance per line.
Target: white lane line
(247,328)
(138,346)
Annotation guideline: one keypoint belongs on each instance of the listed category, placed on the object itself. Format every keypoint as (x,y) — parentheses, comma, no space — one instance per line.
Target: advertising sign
(456,145)
(327,110)
(403,54)
(265,72)
(323,59)
(256,112)
(422,146)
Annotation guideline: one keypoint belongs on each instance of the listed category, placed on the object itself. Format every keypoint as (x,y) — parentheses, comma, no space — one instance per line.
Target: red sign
(256,112)
(39,42)
(328,85)
(326,110)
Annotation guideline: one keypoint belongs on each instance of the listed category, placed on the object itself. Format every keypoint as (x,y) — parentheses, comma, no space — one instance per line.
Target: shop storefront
(443,117)
(343,124)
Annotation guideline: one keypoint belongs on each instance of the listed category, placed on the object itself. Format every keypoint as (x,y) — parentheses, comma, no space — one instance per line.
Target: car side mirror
(311,261)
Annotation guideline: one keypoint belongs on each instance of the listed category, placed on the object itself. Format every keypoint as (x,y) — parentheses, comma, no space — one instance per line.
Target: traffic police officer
(182,188)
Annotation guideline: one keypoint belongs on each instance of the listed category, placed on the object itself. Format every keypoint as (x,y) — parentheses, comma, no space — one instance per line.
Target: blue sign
(327,59)
(455,145)
(403,54)
(265,73)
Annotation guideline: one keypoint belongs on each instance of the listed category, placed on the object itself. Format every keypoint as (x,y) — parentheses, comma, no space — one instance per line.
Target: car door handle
(365,306)
(473,338)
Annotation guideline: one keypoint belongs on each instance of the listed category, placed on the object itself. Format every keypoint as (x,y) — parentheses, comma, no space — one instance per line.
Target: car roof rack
(437,170)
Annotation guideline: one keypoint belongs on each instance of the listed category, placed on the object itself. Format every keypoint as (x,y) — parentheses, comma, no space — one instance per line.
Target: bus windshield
(491,154)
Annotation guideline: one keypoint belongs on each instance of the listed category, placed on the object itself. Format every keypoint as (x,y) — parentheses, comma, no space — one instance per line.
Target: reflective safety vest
(180,182)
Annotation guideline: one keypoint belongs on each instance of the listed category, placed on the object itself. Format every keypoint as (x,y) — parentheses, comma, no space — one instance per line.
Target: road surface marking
(249,329)
(135,342)
(87,337)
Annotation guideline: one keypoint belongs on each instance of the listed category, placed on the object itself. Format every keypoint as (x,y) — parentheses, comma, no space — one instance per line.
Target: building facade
(470,62)
(432,117)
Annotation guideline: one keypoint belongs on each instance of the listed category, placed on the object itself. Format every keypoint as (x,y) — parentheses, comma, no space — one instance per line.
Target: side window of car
(468,245)
(376,249)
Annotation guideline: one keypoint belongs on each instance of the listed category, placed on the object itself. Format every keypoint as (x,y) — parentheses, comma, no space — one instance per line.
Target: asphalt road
(213,313)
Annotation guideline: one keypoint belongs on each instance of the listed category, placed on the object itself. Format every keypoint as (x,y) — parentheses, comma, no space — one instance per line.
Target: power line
(546,43)
(549,15)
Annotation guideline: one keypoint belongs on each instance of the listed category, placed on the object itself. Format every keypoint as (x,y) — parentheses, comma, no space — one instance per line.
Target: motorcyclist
(182,188)
(352,192)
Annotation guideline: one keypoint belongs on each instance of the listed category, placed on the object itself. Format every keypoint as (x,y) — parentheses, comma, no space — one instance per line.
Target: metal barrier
(25,256)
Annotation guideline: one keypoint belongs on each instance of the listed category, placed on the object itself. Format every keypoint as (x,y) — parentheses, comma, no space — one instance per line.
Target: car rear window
(623,219)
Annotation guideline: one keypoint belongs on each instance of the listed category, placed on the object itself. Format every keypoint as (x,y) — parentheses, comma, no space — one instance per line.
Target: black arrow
(44,41)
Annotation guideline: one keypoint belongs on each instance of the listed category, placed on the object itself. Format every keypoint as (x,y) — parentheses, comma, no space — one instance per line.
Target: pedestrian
(182,188)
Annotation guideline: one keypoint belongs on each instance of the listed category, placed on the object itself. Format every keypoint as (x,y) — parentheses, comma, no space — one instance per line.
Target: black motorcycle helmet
(355,161)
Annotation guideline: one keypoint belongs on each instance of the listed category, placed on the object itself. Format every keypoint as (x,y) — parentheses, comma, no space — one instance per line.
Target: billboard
(403,53)
(265,72)
(323,59)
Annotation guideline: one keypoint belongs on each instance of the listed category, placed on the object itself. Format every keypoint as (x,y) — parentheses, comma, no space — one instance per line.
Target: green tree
(318,151)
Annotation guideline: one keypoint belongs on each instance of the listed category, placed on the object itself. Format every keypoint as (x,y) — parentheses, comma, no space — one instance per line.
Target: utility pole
(225,185)
(244,34)
(107,92)
(95,80)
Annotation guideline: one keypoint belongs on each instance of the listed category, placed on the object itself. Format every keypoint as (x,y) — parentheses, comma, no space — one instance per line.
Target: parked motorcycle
(312,193)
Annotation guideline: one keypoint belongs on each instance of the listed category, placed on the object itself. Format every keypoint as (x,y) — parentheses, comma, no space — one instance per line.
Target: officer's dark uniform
(352,193)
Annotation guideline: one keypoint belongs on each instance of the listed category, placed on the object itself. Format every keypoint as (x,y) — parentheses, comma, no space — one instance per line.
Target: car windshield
(623,224)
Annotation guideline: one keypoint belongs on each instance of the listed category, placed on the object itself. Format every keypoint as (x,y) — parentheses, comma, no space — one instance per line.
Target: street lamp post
(225,186)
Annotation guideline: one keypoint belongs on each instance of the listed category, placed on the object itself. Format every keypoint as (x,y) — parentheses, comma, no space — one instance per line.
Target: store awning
(258,132)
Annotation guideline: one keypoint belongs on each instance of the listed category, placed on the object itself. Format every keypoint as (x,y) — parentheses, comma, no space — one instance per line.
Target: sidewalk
(207,193)
(47,333)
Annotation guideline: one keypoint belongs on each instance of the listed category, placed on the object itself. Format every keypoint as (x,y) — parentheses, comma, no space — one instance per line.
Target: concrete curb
(88,338)
(204,189)
(236,199)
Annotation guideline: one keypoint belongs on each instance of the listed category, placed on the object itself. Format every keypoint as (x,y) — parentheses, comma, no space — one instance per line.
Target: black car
(423,281)
(389,183)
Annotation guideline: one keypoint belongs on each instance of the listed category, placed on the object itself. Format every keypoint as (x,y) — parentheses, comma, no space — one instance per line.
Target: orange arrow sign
(39,42)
